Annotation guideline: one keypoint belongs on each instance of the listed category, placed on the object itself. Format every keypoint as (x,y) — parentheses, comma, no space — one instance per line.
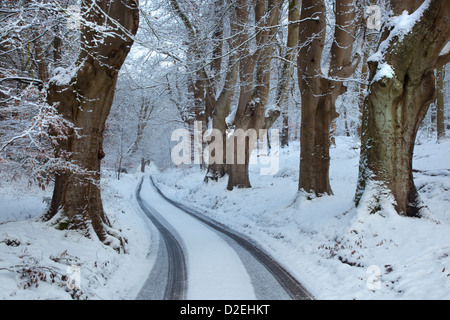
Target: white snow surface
(336,251)
(215,271)
(31,251)
(446,49)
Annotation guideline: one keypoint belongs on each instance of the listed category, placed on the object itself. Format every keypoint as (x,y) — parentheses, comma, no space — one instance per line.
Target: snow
(445,50)
(399,26)
(404,23)
(335,250)
(63,76)
(384,70)
(215,271)
(32,252)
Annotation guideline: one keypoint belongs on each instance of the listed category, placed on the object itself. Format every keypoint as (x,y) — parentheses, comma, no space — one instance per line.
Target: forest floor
(40,262)
(336,251)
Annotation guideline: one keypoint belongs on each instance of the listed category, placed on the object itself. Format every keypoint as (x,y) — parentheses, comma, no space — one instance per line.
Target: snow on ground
(39,262)
(215,271)
(338,252)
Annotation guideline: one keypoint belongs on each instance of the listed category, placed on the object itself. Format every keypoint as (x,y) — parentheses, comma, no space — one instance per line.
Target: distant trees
(30,49)
(214,67)
(325,43)
(229,67)
(401,87)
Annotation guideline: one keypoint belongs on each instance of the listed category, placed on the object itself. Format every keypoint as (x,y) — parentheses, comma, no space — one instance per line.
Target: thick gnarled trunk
(393,118)
(402,85)
(86,100)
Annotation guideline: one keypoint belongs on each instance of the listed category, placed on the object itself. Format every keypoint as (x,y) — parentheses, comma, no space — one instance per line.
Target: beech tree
(287,68)
(213,70)
(320,90)
(238,46)
(401,87)
(83,94)
(254,76)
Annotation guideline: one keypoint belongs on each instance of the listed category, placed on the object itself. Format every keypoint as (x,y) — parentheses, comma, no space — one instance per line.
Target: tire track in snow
(291,285)
(173,257)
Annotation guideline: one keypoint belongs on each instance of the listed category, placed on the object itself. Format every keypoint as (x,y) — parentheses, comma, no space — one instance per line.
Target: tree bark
(221,107)
(319,92)
(397,102)
(440,119)
(370,39)
(41,62)
(287,69)
(86,100)
(254,76)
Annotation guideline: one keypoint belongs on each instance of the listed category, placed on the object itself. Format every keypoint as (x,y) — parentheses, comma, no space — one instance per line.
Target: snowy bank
(38,261)
(338,252)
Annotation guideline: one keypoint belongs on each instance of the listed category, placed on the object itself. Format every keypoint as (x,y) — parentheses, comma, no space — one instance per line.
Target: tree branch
(348,70)
(25,80)
(442,60)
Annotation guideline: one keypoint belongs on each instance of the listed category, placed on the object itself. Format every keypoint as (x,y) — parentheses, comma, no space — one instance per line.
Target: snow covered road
(219,266)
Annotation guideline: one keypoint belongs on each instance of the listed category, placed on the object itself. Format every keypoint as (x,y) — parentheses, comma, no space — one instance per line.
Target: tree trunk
(370,37)
(41,62)
(217,169)
(346,127)
(238,175)
(57,44)
(285,129)
(287,69)
(220,107)
(220,111)
(86,100)
(254,81)
(212,105)
(319,93)
(402,85)
(440,123)
(315,145)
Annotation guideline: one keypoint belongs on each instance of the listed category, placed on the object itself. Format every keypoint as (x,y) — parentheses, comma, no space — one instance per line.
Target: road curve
(292,287)
(171,259)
